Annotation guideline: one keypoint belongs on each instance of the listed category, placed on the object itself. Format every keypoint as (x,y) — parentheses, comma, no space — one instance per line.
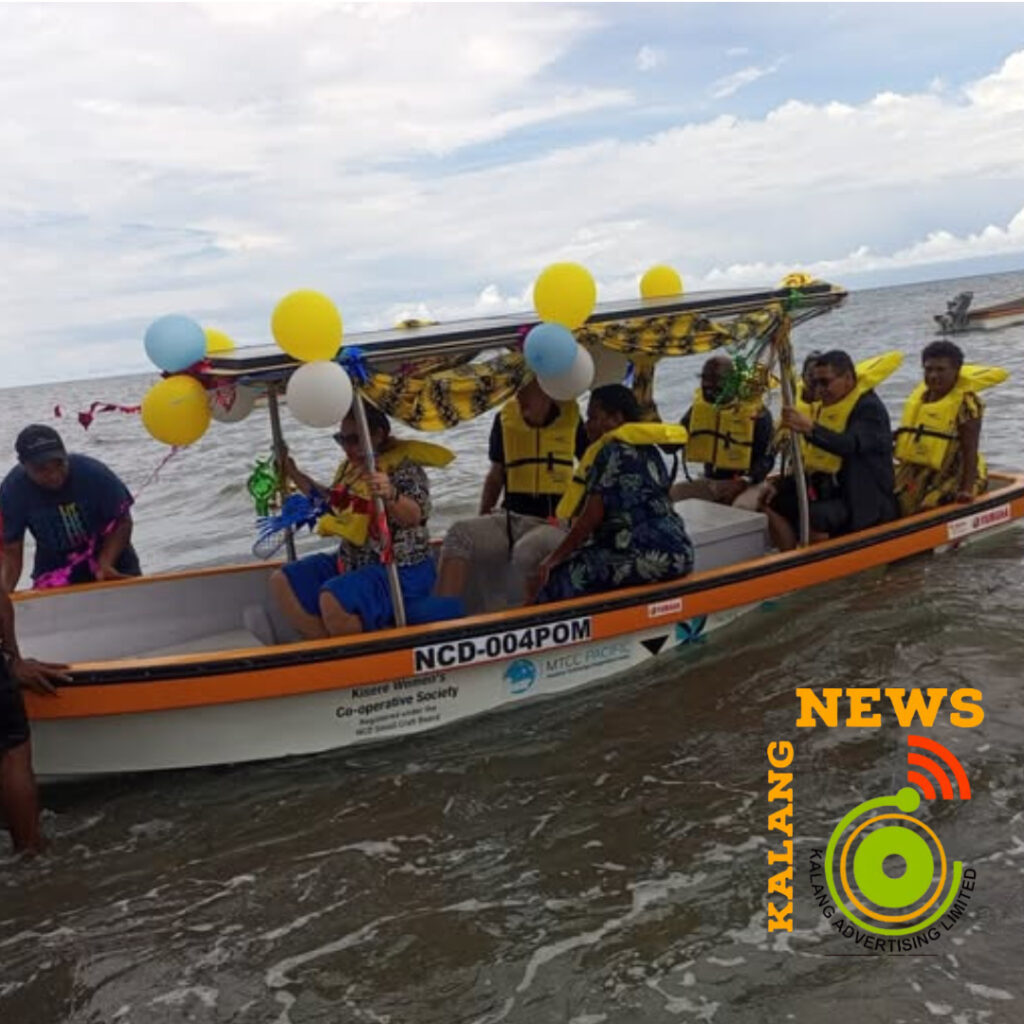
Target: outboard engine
(955,319)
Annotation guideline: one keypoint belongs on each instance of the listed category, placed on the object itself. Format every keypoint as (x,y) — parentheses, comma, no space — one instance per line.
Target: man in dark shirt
(533,445)
(77,510)
(860,492)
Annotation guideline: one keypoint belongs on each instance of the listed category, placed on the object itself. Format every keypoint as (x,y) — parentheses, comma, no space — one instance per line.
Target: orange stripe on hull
(700,594)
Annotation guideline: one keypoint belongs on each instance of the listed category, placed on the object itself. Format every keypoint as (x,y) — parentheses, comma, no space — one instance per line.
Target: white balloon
(574,381)
(609,366)
(319,394)
(230,403)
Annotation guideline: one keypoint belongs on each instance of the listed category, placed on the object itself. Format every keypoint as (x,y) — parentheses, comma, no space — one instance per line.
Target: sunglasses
(346,439)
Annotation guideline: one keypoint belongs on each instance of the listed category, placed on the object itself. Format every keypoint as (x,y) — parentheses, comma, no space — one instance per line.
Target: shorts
(828,515)
(364,592)
(13,721)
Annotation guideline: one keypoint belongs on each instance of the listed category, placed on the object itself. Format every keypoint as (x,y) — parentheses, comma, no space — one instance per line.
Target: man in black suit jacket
(859,493)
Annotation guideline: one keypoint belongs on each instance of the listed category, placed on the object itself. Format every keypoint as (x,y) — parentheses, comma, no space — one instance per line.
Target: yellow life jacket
(927,429)
(539,460)
(352,521)
(870,373)
(629,433)
(722,436)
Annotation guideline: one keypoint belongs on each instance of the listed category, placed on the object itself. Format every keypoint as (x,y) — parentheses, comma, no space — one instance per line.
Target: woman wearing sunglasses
(337,595)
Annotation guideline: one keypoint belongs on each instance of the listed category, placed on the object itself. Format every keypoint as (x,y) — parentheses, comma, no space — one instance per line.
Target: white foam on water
(704,1010)
(60,932)
(369,848)
(299,922)
(287,1001)
(645,894)
(474,906)
(541,825)
(721,962)
(985,992)
(72,828)
(226,889)
(588,1018)
(719,853)
(665,782)
(276,975)
(938,1009)
(501,1014)
(179,996)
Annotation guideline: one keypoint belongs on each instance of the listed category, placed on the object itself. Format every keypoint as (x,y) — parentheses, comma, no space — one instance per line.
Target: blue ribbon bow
(353,360)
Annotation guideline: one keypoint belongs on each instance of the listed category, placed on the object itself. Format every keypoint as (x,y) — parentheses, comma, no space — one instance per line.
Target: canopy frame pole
(784,350)
(394,583)
(280,460)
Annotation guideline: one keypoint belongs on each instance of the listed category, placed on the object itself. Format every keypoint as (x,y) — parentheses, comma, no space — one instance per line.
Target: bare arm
(583,526)
(7,638)
(10,570)
(494,484)
(402,509)
(111,549)
(303,481)
(38,676)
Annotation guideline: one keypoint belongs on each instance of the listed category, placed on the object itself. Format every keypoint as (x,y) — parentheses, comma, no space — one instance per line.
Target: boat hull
(311,723)
(174,711)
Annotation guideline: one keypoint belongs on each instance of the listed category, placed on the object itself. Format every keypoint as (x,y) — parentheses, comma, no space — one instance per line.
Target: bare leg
(338,621)
(781,530)
(684,489)
(451,576)
(310,627)
(20,799)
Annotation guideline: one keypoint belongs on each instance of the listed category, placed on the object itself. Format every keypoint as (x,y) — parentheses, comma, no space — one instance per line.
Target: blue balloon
(550,349)
(175,342)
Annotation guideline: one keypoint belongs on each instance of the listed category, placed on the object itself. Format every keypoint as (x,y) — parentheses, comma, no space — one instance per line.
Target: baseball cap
(38,443)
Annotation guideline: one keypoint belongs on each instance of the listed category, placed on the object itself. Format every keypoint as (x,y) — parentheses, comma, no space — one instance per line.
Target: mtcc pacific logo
(520,675)
(886,870)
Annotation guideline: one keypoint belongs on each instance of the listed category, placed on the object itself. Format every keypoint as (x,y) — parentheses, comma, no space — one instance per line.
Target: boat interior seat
(721,535)
(228,640)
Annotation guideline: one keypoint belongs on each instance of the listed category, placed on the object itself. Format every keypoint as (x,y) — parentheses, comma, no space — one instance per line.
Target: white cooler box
(721,534)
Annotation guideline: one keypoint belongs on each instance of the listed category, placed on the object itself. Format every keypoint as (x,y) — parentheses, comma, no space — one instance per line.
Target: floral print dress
(641,538)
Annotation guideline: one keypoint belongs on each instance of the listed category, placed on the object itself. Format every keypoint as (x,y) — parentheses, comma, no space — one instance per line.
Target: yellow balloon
(307,325)
(798,279)
(175,410)
(660,282)
(565,294)
(217,341)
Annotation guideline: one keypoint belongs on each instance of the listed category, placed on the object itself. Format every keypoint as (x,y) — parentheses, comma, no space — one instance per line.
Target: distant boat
(959,317)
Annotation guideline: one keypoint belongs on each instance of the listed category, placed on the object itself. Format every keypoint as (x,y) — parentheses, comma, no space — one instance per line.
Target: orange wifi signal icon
(939,770)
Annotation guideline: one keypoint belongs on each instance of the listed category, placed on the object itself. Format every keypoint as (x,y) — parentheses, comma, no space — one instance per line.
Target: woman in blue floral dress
(626,532)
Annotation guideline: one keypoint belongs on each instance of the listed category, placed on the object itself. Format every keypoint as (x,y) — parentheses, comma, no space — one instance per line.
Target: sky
(432,159)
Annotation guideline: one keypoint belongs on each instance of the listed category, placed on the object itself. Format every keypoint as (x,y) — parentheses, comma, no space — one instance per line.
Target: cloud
(938,247)
(648,58)
(731,84)
(207,160)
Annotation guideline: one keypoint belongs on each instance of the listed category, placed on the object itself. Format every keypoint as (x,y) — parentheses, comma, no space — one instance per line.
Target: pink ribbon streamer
(86,417)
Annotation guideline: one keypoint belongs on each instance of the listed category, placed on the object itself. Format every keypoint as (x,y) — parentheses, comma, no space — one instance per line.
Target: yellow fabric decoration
(680,334)
(445,397)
